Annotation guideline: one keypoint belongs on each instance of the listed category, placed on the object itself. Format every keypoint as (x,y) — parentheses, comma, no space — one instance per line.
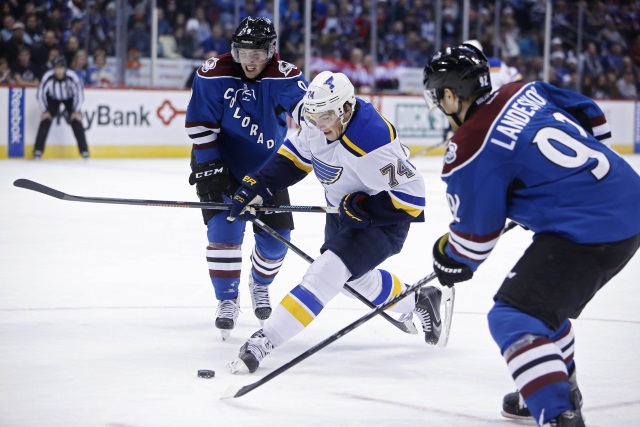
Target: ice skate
(566,419)
(260,300)
(251,353)
(431,304)
(514,406)
(226,316)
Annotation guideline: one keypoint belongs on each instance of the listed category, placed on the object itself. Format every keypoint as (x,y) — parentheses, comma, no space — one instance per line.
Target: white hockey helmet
(475,43)
(327,93)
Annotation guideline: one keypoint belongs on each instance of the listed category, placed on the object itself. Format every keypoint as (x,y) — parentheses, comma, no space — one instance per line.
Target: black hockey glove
(252,192)
(351,212)
(211,180)
(448,270)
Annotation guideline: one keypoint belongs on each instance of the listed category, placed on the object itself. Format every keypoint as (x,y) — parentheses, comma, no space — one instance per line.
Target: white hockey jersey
(368,157)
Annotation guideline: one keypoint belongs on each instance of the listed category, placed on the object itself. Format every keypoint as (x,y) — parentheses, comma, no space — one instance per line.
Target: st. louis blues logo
(329,82)
(325,173)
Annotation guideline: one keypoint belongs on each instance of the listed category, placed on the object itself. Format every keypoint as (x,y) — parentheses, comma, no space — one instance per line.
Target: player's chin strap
(407,327)
(454,116)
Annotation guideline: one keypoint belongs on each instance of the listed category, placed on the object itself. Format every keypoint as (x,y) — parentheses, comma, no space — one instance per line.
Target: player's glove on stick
(448,270)
(351,211)
(252,192)
(211,180)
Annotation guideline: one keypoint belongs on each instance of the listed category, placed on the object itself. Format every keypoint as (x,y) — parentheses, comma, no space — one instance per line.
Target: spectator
(361,77)
(139,39)
(24,71)
(100,74)
(7,27)
(32,31)
(15,43)
(626,85)
(610,35)
(191,47)
(591,61)
(80,65)
(70,48)
(216,43)
(76,29)
(168,46)
(613,59)
(6,77)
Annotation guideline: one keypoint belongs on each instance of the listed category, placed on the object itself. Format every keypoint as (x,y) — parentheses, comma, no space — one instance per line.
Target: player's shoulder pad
(367,131)
(279,69)
(468,141)
(219,66)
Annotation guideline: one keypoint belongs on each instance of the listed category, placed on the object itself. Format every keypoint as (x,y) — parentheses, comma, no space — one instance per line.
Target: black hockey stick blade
(235,392)
(35,186)
(406,327)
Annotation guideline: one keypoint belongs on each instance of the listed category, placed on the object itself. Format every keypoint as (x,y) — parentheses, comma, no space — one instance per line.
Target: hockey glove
(211,180)
(351,212)
(448,270)
(250,193)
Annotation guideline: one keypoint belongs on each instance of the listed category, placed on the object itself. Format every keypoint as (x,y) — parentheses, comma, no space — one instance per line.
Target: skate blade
(410,327)
(446,307)
(225,333)
(238,367)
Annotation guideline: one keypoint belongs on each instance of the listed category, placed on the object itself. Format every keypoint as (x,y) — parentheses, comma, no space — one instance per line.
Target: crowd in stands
(605,65)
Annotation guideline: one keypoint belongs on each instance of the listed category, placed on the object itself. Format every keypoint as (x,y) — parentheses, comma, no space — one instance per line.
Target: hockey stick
(34,186)
(234,392)
(431,147)
(407,327)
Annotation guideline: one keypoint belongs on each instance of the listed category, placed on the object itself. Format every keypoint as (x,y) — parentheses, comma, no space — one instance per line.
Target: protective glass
(321,121)
(250,56)
(431,98)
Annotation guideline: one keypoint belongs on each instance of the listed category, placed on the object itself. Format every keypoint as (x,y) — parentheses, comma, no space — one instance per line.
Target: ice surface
(106,315)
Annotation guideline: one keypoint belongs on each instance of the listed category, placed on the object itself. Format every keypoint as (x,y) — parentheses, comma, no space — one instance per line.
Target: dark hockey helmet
(463,69)
(254,33)
(59,61)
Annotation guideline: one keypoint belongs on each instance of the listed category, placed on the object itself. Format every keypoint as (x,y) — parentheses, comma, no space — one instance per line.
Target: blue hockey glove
(448,270)
(351,212)
(250,193)
(211,180)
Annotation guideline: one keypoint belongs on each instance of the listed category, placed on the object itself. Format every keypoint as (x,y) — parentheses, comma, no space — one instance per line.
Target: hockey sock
(225,263)
(267,256)
(379,286)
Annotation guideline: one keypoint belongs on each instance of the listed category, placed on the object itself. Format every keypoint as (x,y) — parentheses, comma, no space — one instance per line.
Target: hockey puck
(205,373)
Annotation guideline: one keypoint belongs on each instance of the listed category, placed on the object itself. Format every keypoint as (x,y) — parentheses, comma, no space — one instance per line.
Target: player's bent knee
(508,325)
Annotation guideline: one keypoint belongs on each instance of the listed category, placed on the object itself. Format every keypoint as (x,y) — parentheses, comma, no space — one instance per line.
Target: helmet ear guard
(330,92)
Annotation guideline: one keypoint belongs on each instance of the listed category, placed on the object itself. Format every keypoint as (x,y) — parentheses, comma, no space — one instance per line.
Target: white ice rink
(106,314)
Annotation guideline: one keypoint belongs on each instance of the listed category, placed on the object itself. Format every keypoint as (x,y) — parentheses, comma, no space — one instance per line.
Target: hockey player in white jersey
(356,155)
(537,155)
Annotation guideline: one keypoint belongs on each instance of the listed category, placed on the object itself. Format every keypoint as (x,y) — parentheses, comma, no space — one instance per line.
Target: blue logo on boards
(16,122)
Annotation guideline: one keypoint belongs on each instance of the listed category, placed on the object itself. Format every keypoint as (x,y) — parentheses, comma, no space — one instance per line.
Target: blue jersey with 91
(537,154)
(239,121)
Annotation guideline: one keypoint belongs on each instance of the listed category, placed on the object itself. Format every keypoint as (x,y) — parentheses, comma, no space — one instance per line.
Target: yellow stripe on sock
(298,311)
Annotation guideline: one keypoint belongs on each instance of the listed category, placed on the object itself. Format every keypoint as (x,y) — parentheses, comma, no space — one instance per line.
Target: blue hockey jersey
(242,122)
(536,154)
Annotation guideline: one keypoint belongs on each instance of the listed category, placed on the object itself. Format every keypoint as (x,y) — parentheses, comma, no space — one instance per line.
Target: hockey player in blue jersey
(356,155)
(236,119)
(535,154)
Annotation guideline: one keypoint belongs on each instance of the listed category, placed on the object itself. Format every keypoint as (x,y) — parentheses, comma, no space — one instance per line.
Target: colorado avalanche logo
(209,64)
(285,67)
(450,154)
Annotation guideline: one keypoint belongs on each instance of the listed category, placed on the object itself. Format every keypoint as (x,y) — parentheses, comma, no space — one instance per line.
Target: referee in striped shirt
(60,86)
